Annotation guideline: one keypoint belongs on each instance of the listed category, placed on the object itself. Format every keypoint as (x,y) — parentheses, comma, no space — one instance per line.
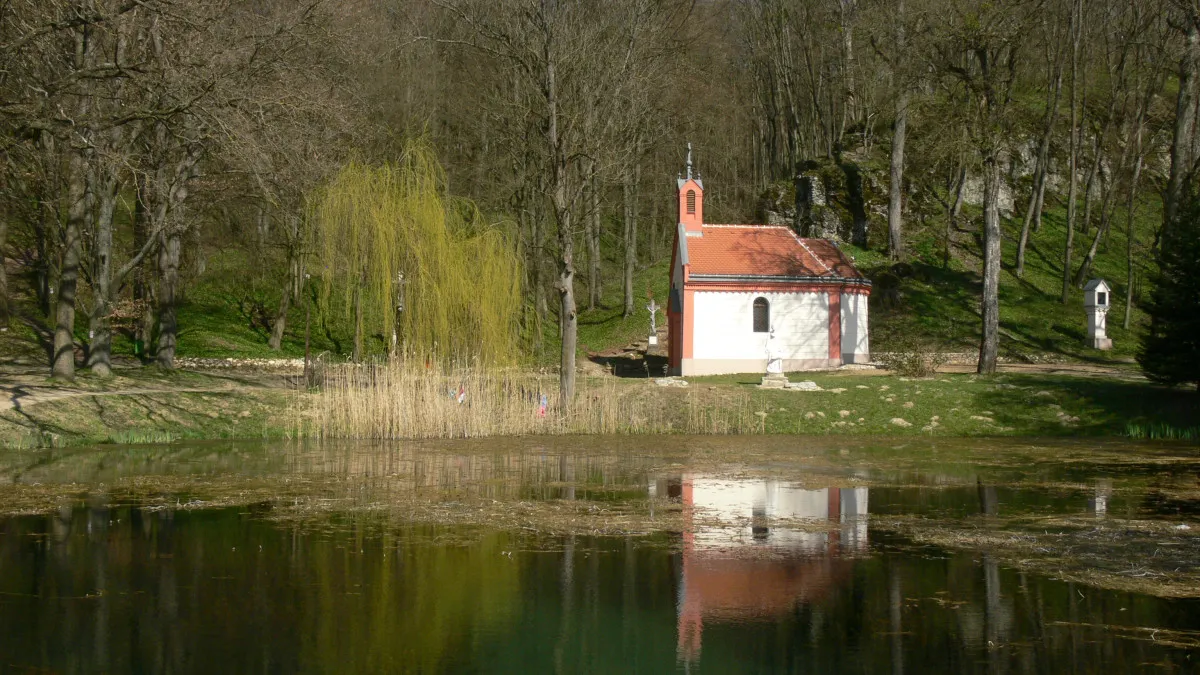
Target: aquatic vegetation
(142,437)
(29,439)
(1162,432)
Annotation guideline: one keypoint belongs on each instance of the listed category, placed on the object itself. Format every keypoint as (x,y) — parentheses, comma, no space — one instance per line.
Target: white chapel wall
(724,326)
(855,348)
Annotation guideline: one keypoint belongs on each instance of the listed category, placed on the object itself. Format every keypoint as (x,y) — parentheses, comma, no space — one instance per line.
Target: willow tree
(414,263)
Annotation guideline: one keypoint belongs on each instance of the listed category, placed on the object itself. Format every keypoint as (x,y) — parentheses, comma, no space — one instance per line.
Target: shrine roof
(758,251)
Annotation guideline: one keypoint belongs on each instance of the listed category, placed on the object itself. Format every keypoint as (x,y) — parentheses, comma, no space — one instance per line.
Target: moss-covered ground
(141,405)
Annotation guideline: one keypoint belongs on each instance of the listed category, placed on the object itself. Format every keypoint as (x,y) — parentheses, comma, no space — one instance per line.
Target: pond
(596,555)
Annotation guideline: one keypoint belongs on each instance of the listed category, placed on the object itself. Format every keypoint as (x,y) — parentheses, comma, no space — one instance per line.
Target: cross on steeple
(689,161)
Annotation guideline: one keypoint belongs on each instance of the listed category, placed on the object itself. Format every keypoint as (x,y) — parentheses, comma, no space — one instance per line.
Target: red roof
(765,251)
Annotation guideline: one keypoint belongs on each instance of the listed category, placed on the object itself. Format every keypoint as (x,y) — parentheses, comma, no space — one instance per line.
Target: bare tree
(1184,138)
(990,37)
(572,60)
(1033,214)
(1073,164)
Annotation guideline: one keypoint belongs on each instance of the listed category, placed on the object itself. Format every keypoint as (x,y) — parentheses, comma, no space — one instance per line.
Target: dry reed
(419,398)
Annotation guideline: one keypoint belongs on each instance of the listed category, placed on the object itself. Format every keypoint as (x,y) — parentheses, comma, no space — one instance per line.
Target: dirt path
(21,397)
(1076,369)
(23,386)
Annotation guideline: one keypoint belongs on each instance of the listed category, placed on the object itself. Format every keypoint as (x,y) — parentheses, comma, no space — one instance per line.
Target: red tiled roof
(765,251)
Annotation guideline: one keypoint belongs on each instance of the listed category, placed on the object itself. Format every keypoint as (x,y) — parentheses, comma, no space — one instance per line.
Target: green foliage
(1170,351)
(390,237)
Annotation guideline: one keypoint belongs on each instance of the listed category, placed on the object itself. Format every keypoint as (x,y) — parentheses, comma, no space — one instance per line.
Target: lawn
(968,405)
(940,303)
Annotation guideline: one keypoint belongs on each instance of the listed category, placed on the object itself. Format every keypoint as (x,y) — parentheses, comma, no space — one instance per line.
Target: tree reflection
(765,576)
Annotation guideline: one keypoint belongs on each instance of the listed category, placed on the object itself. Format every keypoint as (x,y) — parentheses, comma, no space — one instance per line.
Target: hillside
(935,305)
(924,302)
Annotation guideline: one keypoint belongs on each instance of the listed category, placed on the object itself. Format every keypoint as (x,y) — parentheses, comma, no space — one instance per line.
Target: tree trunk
(656,232)
(172,190)
(47,218)
(593,238)
(358,318)
(899,133)
(1039,186)
(1033,215)
(1185,127)
(957,180)
(568,318)
(850,102)
(168,292)
(989,345)
(285,301)
(99,325)
(78,202)
(1086,266)
(896,189)
(1073,191)
(1102,231)
(630,240)
(958,194)
(143,289)
(43,272)
(536,282)
(1090,184)
(4,302)
(1129,233)
(540,299)
(291,286)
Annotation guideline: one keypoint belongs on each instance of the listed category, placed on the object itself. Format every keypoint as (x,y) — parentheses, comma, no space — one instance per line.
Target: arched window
(691,201)
(762,316)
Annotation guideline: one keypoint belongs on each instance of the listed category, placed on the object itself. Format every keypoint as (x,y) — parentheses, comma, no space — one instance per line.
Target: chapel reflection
(757,549)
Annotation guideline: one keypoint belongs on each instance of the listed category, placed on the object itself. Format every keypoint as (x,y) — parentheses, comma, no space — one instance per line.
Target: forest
(469,178)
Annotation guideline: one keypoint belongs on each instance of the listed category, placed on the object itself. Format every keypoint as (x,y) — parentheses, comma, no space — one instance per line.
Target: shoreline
(147,405)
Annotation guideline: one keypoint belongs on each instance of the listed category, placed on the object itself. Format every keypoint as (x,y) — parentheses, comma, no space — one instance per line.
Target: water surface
(738,555)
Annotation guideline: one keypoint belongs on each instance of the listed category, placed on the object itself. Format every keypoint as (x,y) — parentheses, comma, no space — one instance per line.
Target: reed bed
(413,398)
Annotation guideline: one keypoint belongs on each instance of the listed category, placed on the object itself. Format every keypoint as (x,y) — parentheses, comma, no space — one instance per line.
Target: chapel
(748,297)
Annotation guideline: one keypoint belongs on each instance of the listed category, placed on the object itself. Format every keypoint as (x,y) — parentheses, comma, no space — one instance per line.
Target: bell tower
(691,199)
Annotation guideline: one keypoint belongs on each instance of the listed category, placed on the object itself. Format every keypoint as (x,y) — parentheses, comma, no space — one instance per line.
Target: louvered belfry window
(691,201)
(762,315)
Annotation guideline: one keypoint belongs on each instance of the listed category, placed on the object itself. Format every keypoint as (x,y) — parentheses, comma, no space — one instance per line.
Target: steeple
(691,197)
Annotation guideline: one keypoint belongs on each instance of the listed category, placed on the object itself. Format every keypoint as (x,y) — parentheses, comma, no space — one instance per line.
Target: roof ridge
(747,225)
(816,257)
(810,251)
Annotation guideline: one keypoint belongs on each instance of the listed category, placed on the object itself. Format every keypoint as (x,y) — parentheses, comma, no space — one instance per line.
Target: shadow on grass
(1104,407)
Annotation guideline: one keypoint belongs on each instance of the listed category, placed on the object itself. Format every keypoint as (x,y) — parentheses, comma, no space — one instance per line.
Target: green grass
(605,327)
(968,405)
(941,303)
(228,309)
